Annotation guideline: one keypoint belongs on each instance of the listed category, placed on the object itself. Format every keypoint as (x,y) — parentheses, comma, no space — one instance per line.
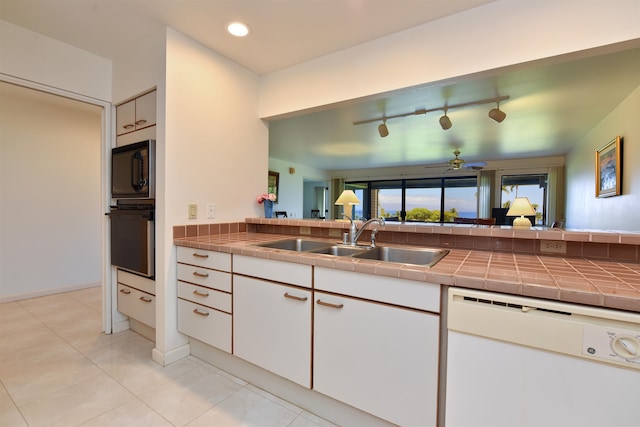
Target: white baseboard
(120,326)
(173,355)
(45,292)
(141,329)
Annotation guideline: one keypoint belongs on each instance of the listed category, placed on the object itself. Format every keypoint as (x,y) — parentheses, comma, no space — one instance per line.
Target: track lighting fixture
(445,122)
(382,129)
(497,114)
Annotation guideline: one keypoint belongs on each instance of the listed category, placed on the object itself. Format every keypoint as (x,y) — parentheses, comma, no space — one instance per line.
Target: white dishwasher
(516,361)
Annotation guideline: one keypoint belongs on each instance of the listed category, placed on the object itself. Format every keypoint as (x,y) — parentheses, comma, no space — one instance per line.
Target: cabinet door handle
(195,273)
(143,299)
(297,298)
(195,254)
(200,294)
(125,291)
(141,122)
(200,313)
(328,304)
(128,126)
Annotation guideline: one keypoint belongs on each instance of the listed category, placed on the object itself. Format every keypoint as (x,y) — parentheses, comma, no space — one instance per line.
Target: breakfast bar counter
(595,281)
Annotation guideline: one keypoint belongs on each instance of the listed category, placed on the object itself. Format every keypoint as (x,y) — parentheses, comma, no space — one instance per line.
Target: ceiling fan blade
(474,164)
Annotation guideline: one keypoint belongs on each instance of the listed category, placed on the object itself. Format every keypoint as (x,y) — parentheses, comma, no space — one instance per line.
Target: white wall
(50,194)
(583,209)
(292,185)
(498,34)
(216,146)
(36,58)
(211,147)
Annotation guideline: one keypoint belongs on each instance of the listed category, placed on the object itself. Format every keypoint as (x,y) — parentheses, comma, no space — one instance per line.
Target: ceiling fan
(457,163)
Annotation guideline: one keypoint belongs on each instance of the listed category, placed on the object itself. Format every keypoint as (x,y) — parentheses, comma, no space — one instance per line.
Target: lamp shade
(348,197)
(521,207)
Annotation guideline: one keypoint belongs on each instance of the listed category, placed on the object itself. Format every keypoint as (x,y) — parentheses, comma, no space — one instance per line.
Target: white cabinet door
(126,117)
(379,358)
(146,110)
(272,327)
(136,114)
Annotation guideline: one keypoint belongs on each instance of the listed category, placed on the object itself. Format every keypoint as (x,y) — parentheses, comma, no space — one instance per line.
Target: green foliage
(422,215)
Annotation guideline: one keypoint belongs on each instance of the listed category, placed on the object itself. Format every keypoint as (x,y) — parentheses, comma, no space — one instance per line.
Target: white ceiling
(553,104)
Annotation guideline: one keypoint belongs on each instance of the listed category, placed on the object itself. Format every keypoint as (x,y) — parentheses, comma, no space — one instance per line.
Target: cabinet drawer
(205,324)
(202,258)
(141,283)
(201,276)
(279,271)
(205,296)
(136,304)
(406,293)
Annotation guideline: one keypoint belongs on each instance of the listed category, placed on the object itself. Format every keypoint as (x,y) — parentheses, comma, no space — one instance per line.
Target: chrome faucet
(354,233)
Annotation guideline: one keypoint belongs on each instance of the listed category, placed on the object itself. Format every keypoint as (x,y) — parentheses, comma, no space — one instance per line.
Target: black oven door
(133,240)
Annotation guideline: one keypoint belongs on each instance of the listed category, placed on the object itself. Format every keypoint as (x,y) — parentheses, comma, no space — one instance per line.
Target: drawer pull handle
(328,304)
(195,254)
(195,273)
(124,291)
(200,313)
(143,299)
(128,126)
(141,122)
(200,294)
(297,298)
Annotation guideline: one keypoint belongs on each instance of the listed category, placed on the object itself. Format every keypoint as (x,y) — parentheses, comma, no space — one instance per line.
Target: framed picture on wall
(609,169)
(274,184)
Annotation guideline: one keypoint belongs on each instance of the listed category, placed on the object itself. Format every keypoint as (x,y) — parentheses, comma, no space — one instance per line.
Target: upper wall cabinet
(136,114)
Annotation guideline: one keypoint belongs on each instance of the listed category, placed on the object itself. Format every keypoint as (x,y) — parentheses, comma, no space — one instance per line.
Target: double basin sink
(418,256)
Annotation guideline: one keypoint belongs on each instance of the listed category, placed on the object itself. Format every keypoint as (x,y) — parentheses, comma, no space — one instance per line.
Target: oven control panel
(612,344)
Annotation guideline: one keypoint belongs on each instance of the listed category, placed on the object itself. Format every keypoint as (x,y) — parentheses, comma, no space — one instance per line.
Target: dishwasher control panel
(612,344)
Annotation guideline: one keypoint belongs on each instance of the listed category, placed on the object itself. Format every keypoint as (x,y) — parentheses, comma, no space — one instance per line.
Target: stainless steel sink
(418,256)
(340,250)
(298,245)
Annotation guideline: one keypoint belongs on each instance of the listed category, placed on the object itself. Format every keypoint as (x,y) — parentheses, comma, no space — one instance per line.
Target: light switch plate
(193,211)
(211,210)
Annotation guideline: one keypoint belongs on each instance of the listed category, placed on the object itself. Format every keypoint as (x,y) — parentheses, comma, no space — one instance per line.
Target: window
(532,186)
(422,200)
(460,198)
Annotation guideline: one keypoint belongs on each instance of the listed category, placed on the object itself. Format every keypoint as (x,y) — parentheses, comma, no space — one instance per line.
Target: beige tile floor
(58,369)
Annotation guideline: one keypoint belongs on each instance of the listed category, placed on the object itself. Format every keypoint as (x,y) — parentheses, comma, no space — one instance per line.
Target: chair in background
(280,214)
(315,213)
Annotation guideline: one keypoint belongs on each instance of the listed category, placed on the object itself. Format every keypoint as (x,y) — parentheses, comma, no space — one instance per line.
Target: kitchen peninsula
(340,317)
(599,268)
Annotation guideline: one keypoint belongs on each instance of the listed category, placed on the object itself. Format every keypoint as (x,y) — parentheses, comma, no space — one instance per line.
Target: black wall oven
(133,236)
(133,215)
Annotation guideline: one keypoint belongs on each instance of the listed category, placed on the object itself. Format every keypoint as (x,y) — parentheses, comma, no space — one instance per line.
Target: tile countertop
(597,283)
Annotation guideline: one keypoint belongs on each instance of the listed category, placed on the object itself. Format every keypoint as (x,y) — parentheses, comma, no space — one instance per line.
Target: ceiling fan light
(497,114)
(383,130)
(445,122)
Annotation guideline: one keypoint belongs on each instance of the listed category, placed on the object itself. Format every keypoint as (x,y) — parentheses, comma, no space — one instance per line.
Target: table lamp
(347,198)
(519,208)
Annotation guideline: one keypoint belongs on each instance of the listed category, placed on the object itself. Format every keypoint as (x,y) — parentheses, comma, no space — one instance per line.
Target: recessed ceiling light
(237,29)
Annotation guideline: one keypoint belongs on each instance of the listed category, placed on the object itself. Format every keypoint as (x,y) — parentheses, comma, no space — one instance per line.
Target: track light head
(497,114)
(445,121)
(382,130)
